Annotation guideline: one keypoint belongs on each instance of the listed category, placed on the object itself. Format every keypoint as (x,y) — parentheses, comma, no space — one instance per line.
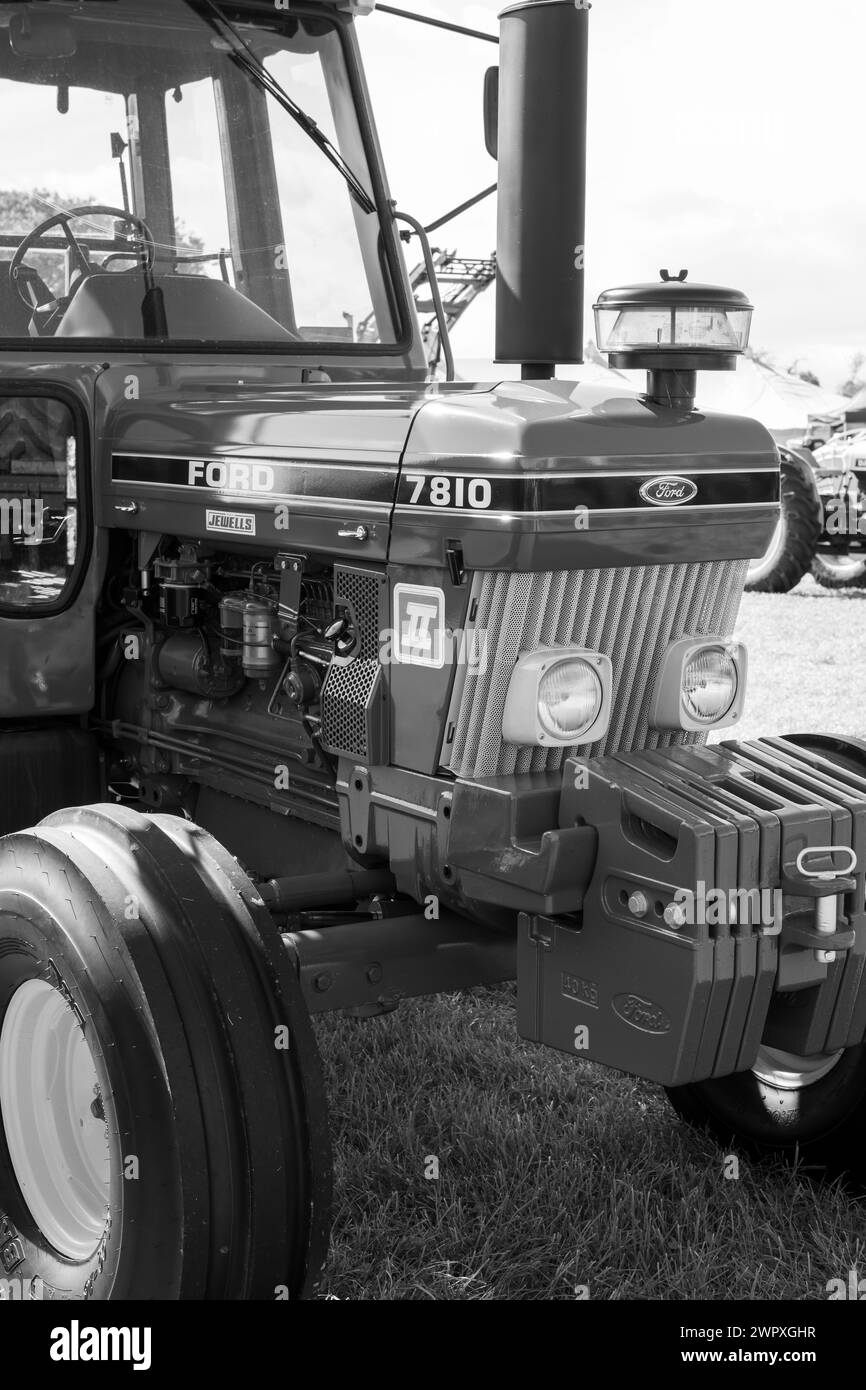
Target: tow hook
(826,885)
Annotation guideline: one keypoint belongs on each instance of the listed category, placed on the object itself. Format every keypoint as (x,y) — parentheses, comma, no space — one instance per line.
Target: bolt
(374,974)
(675,916)
(638,904)
(825,920)
(322,983)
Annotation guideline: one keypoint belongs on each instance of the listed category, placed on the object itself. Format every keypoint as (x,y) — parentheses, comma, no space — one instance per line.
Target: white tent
(781,402)
(594,373)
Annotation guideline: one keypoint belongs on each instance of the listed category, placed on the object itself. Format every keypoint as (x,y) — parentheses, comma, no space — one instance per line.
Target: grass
(807,661)
(556,1175)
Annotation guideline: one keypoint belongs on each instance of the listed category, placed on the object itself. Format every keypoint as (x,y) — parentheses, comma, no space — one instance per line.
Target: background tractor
(793,546)
(324,684)
(821,529)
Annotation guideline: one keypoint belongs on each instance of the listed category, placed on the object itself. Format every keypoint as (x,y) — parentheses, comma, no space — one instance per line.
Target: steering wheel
(20,276)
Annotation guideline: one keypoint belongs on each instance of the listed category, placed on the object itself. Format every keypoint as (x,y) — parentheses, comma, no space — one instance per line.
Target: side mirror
(491,112)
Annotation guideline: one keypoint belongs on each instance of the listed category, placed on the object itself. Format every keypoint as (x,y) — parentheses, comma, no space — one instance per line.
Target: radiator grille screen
(351,688)
(632,615)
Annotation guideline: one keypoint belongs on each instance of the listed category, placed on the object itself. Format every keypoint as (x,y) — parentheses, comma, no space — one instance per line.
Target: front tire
(809,1110)
(839,571)
(163,1131)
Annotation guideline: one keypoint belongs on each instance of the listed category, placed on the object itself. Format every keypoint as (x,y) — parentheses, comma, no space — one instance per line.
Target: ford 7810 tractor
(323,685)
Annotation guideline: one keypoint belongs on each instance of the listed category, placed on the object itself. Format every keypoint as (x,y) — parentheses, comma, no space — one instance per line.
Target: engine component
(232,626)
(189,661)
(260,631)
(249,626)
(303,685)
(182,582)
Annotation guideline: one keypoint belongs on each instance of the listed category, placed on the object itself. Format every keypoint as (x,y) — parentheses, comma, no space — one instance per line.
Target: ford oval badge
(670,491)
(641,1013)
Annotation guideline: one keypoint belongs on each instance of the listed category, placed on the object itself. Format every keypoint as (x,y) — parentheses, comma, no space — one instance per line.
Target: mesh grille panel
(361,592)
(349,689)
(632,615)
(344,715)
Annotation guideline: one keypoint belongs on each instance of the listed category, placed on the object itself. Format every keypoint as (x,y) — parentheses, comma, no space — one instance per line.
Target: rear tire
(820,1122)
(792,549)
(139,965)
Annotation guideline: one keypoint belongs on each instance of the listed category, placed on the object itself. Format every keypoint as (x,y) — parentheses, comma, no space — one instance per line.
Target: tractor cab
(187,174)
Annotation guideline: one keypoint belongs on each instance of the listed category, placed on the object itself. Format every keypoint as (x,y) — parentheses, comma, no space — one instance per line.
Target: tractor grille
(632,615)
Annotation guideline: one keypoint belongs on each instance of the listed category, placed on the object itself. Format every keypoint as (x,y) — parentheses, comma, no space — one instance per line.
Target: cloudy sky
(725,138)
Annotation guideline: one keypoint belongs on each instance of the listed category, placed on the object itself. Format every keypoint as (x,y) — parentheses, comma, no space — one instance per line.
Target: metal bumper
(716,916)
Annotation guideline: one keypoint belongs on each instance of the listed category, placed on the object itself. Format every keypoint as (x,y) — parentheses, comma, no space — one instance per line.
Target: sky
(722,137)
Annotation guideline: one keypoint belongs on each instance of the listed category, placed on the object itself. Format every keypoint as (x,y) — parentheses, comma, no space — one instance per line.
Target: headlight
(558,697)
(569,698)
(709,685)
(701,685)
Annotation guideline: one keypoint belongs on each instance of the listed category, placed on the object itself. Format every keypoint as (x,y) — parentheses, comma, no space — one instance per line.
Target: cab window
(39,502)
(186,176)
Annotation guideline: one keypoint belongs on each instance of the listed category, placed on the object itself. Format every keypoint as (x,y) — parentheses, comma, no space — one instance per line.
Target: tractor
(324,684)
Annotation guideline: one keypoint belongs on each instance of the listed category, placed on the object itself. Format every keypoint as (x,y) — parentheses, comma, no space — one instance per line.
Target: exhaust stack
(542,184)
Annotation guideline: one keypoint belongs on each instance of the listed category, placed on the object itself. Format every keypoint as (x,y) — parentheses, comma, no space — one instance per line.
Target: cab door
(48,580)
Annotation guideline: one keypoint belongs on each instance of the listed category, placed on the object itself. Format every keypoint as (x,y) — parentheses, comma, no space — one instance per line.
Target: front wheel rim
(842,566)
(787,1071)
(54,1119)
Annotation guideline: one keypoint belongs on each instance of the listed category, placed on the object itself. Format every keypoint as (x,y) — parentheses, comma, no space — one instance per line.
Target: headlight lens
(559,696)
(709,685)
(569,698)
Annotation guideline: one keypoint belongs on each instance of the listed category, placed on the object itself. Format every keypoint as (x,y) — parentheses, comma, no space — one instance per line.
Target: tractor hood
(521,476)
(563,476)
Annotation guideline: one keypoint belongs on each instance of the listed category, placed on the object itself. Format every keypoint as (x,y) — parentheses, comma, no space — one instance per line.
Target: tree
(761,356)
(855,380)
(803,373)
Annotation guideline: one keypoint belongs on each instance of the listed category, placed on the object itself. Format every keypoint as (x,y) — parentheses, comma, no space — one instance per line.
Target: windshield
(171,178)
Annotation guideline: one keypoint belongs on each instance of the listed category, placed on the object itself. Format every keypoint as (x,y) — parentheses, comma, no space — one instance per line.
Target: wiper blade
(246,59)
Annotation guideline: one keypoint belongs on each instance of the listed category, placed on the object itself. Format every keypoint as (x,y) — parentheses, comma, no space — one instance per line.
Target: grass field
(559,1179)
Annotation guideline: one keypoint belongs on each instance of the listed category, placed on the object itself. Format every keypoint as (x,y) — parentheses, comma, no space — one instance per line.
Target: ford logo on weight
(641,1013)
(670,491)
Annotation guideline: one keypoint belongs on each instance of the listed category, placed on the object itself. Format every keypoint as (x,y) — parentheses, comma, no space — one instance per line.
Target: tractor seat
(109,305)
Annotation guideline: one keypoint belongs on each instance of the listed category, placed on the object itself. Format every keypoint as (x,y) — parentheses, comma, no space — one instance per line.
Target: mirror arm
(464,207)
